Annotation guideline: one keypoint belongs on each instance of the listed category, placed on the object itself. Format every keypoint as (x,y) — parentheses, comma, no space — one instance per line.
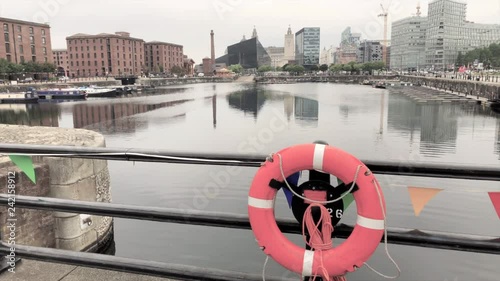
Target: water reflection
(252,100)
(110,118)
(249,100)
(435,125)
(30,114)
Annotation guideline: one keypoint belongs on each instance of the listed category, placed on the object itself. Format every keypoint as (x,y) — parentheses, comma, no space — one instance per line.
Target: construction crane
(385,14)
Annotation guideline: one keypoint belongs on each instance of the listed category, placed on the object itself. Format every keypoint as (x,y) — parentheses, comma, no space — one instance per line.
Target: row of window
(102,56)
(102,48)
(89,63)
(19,28)
(21,49)
(20,39)
(108,41)
(165,53)
(172,48)
(169,59)
(22,59)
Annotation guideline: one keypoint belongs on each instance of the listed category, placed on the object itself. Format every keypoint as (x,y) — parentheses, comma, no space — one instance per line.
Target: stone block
(66,171)
(79,243)
(32,227)
(67,178)
(70,227)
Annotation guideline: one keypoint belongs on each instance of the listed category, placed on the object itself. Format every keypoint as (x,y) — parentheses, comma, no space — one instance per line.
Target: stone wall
(33,227)
(473,88)
(24,87)
(347,79)
(157,82)
(69,178)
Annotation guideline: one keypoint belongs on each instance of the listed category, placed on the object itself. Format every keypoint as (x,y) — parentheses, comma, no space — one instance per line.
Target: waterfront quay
(31,270)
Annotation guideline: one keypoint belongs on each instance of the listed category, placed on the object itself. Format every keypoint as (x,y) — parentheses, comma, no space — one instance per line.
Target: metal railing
(411,237)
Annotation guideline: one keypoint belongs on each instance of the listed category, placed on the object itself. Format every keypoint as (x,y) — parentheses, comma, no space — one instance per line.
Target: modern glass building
(448,33)
(248,53)
(307,46)
(408,43)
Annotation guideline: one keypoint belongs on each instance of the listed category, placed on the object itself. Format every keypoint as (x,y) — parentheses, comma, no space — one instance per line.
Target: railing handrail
(414,237)
(419,238)
(403,168)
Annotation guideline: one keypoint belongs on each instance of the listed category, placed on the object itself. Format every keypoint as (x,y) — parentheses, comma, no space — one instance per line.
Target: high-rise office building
(448,33)
(307,46)
(370,51)
(408,43)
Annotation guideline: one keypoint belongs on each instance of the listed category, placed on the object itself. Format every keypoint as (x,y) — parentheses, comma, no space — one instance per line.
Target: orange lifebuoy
(370,203)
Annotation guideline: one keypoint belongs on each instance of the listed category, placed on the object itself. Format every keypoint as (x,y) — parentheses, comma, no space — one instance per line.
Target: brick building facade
(61,60)
(24,41)
(105,54)
(161,56)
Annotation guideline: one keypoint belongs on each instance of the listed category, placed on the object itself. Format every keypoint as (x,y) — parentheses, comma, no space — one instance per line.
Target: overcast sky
(188,22)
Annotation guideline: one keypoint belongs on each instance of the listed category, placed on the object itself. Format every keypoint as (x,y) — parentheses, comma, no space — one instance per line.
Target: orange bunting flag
(495,198)
(421,196)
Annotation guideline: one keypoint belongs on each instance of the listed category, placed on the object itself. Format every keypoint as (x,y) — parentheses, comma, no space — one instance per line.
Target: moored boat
(99,92)
(24,97)
(379,85)
(61,94)
(495,105)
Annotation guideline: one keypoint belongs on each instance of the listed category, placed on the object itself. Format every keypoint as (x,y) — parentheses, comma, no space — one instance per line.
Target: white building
(327,56)
(277,55)
(289,45)
(408,43)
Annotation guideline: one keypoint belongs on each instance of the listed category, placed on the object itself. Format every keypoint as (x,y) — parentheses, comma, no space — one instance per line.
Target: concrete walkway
(30,270)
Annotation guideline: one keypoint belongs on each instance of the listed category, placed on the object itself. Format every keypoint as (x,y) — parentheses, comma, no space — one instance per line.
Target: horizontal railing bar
(180,272)
(427,239)
(145,155)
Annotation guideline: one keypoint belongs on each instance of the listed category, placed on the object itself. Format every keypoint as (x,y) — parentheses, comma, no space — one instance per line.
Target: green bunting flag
(25,163)
(347,199)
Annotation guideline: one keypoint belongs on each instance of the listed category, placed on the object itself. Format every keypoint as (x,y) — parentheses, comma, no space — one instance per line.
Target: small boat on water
(60,94)
(99,92)
(24,97)
(495,105)
(379,85)
(366,82)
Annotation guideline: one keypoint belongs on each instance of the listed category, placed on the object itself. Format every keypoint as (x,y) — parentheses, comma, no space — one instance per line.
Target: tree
(177,70)
(314,68)
(357,67)
(295,69)
(460,59)
(323,67)
(265,68)
(157,69)
(336,67)
(279,68)
(378,65)
(162,69)
(285,66)
(347,67)
(236,68)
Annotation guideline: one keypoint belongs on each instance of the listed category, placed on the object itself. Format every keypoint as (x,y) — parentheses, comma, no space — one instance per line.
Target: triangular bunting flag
(495,198)
(347,200)
(421,196)
(25,163)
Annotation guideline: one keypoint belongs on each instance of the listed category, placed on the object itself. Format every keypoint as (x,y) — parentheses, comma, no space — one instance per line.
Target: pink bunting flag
(495,199)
